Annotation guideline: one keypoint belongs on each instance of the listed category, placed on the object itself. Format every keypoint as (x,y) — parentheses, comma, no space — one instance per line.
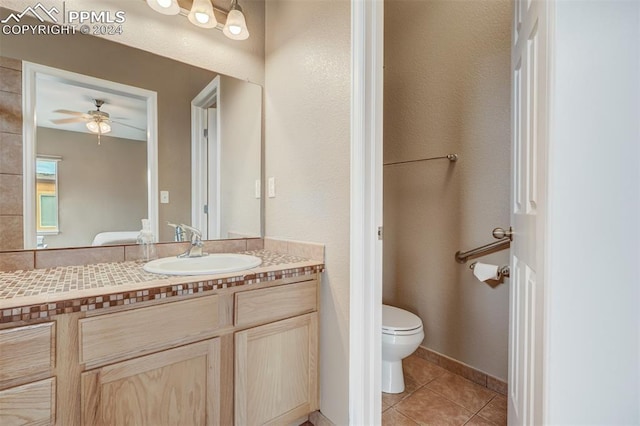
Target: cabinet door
(31,404)
(175,387)
(276,371)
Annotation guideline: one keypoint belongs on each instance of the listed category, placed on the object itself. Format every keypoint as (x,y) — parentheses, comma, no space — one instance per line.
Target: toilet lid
(396,319)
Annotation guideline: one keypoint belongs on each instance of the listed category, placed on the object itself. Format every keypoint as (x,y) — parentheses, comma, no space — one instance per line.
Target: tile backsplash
(11,217)
(50,258)
(313,251)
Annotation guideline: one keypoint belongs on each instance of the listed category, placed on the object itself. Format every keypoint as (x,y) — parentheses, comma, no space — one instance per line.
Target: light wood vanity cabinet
(178,386)
(276,371)
(246,355)
(27,385)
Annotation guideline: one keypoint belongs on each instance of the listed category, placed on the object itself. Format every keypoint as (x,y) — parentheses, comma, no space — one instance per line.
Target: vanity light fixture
(236,26)
(201,13)
(166,7)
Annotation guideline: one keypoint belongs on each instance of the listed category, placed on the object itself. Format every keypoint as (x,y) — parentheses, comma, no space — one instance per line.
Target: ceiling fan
(97,121)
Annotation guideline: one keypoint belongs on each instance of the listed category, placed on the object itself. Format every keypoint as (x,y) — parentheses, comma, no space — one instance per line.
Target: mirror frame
(30,73)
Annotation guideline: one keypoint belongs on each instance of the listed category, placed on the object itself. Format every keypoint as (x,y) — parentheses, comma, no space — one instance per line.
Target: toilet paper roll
(485,271)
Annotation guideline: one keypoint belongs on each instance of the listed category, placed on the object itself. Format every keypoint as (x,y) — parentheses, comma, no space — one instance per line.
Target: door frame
(205,186)
(365,306)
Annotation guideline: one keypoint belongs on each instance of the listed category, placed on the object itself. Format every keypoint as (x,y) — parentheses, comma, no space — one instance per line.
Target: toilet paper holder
(503,271)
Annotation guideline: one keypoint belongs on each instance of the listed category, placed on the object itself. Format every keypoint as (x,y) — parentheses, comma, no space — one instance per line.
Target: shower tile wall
(11,233)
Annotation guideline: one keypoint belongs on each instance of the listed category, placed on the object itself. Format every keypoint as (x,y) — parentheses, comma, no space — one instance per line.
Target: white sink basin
(216,263)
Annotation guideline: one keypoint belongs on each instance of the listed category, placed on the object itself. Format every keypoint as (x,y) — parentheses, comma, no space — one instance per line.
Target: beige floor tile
(479,421)
(496,410)
(392,417)
(427,407)
(421,370)
(410,386)
(385,405)
(461,391)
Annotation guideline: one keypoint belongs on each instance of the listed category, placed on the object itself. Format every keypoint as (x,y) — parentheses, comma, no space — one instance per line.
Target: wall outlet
(272,187)
(258,190)
(164,197)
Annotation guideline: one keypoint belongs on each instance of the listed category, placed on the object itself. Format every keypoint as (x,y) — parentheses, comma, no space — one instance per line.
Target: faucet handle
(179,231)
(196,234)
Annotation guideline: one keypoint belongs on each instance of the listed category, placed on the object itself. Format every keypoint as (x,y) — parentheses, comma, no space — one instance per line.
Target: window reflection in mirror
(46,197)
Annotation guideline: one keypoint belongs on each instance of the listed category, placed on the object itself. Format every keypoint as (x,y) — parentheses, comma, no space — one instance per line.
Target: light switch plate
(164,197)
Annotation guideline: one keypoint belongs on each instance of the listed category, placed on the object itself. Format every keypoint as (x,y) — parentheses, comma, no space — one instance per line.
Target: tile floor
(434,396)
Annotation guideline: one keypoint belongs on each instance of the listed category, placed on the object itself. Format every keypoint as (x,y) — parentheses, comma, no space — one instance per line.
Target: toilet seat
(398,322)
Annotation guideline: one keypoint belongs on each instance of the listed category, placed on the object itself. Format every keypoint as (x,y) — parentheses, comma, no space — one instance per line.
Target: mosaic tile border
(95,286)
(48,310)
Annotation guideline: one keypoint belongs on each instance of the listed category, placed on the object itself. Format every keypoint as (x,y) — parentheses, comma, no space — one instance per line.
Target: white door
(529,65)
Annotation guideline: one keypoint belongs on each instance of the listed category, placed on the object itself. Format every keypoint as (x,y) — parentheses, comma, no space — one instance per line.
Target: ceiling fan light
(93,126)
(201,14)
(104,127)
(166,7)
(236,26)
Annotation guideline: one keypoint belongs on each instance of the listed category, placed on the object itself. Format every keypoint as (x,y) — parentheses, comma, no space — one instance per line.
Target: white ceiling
(54,94)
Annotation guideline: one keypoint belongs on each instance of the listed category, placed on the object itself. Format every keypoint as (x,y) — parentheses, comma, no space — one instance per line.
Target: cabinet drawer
(269,304)
(32,404)
(137,332)
(26,353)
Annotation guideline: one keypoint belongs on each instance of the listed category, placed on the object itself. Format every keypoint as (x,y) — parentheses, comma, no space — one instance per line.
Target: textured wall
(447,90)
(307,99)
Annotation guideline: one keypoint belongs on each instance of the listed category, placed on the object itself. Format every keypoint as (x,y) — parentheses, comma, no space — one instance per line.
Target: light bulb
(201,17)
(92,126)
(201,14)
(166,7)
(104,127)
(236,26)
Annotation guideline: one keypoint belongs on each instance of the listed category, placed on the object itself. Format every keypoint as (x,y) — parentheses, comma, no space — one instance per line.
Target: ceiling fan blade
(69,120)
(128,125)
(66,111)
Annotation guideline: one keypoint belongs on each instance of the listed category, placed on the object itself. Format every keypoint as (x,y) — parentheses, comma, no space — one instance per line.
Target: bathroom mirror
(225,196)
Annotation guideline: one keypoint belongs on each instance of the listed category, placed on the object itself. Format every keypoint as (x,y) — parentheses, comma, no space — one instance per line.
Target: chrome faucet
(179,232)
(196,242)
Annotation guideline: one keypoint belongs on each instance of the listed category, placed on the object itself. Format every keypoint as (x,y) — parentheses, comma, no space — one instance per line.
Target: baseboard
(462,369)
(318,419)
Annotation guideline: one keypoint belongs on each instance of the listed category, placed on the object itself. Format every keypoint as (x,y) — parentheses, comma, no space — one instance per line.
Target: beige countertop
(42,293)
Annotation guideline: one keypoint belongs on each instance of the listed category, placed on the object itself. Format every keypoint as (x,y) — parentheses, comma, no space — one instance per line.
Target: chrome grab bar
(504,242)
(451,157)
(463,256)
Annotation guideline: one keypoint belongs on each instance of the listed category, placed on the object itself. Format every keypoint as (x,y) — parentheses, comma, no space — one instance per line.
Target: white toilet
(402,333)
